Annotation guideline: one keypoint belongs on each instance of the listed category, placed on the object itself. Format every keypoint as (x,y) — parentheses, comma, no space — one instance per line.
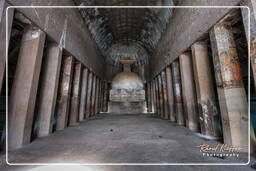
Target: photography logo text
(219,150)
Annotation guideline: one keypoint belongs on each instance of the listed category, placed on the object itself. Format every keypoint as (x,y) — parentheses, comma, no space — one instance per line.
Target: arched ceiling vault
(126,33)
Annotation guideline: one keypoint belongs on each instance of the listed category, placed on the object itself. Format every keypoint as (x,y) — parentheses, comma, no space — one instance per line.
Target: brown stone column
(149,101)
(158,112)
(97,96)
(251,4)
(89,95)
(48,91)
(107,97)
(204,82)
(165,98)
(170,95)
(252,16)
(63,102)
(93,95)
(231,92)
(152,96)
(100,96)
(3,6)
(103,96)
(75,99)
(24,88)
(146,95)
(105,100)
(161,96)
(189,92)
(83,94)
(245,14)
(177,93)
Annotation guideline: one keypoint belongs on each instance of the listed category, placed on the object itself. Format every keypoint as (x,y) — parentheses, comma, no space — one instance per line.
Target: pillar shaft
(252,16)
(160,82)
(149,100)
(63,103)
(146,95)
(93,95)
(75,99)
(204,82)
(170,95)
(189,92)
(161,95)
(84,85)
(252,5)
(97,96)
(152,97)
(245,14)
(253,61)
(165,99)
(231,92)
(157,97)
(24,88)
(3,6)
(105,96)
(48,91)
(101,94)
(177,93)
(89,95)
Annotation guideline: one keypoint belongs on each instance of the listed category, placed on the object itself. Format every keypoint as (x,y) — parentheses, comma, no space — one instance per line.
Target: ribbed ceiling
(126,33)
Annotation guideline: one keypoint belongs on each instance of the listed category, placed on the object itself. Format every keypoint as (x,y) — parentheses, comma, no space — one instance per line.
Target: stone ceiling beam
(66,27)
(185,28)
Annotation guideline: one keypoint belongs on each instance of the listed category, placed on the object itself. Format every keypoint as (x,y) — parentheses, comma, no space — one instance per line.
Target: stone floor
(109,138)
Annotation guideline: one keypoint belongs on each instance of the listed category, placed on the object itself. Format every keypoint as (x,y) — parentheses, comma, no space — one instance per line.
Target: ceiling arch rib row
(126,33)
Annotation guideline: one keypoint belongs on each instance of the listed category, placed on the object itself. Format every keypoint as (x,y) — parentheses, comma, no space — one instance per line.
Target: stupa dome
(127,81)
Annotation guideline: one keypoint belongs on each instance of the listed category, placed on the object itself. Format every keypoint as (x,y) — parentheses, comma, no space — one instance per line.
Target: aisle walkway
(109,138)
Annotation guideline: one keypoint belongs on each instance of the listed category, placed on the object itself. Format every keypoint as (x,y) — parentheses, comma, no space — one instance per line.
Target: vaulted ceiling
(126,33)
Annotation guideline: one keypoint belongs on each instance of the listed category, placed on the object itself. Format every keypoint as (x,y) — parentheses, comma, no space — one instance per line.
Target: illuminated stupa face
(127,86)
